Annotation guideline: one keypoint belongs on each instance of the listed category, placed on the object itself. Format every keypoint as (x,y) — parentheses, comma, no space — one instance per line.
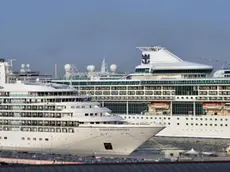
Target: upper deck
(156,63)
(192,81)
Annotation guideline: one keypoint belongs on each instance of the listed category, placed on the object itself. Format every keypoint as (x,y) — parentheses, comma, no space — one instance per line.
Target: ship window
(64,130)
(71,130)
(91,114)
(40,129)
(191,123)
(28,138)
(34,138)
(40,139)
(186,123)
(210,124)
(226,119)
(86,114)
(215,124)
(46,139)
(226,125)
(108,146)
(5,137)
(178,123)
(23,138)
(221,124)
(46,129)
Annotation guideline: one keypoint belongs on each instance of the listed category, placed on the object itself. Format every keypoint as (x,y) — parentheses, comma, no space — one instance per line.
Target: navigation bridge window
(142,70)
(183,71)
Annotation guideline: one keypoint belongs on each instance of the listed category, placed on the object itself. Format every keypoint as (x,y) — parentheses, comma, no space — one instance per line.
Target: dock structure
(211,166)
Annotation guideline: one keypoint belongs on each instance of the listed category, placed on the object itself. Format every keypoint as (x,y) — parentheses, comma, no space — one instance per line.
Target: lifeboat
(212,105)
(160,105)
(228,150)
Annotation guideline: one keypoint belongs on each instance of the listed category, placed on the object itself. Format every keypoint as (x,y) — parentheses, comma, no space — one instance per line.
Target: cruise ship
(191,99)
(53,118)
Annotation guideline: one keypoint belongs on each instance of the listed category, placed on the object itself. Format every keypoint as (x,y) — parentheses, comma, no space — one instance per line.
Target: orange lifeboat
(212,105)
(160,105)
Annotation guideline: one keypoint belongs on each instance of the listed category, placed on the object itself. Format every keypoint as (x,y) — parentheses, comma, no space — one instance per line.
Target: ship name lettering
(114,129)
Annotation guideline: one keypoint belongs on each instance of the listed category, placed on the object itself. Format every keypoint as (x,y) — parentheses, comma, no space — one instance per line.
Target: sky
(83,32)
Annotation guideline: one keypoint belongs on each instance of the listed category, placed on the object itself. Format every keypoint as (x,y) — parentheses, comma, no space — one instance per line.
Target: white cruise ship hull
(187,126)
(84,140)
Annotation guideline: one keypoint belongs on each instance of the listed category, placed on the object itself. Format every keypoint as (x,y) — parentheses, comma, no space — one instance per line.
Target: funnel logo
(145,58)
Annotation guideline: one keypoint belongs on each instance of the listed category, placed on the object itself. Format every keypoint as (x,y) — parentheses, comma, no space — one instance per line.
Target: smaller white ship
(52,118)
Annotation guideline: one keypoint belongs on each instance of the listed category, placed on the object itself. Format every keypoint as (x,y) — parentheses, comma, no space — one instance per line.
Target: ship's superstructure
(71,73)
(166,89)
(54,118)
(25,74)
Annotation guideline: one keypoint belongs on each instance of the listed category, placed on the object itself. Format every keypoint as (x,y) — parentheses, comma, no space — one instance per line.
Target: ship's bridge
(159,61)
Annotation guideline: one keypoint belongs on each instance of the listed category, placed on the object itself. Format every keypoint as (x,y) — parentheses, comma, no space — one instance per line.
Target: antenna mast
(55,71)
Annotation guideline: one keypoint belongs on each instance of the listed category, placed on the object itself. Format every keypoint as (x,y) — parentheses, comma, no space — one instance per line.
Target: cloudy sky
(82,32)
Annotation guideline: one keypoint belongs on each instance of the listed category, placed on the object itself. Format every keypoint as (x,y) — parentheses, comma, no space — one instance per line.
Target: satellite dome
(28,65)
(91,68)
(113,67)
(23,65)
(67,67)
